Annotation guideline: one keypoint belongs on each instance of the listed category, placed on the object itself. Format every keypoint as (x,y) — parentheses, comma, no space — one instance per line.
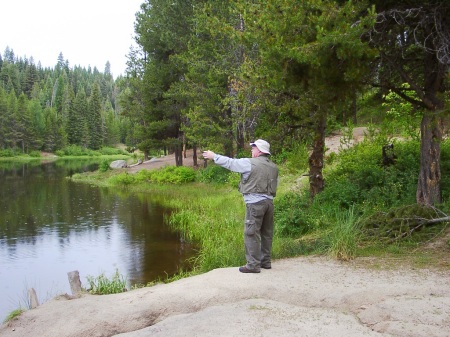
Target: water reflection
(50,226)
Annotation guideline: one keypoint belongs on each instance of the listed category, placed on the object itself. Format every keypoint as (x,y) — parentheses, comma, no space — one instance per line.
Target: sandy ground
(309,296)
(305,296)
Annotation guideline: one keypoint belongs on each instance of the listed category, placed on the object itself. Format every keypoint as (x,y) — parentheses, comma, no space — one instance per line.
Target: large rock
(116,164)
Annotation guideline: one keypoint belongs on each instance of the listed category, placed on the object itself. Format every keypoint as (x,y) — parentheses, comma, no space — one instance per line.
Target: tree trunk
(354,110)
(240,139)
(194,154)
(228,140)
(316,181)
(146,155)
(179,154)
(429,184)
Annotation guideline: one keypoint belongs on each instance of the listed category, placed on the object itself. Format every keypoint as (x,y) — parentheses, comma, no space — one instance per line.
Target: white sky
(87,32)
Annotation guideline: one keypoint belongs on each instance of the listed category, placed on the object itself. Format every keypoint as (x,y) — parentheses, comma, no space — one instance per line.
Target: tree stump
(34,302)
(75,283)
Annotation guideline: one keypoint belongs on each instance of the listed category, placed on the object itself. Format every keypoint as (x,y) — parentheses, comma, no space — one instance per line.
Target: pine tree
(3,118)
(95,118)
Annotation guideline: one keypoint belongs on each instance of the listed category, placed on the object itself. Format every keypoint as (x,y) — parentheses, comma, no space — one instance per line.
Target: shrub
(104,166)
(173,175)
(290,216)
(7,153)
(34,154)
(77,151)
(214,174)
(110,151)
(101,285)
(359,177)
(122,179)
(168,174)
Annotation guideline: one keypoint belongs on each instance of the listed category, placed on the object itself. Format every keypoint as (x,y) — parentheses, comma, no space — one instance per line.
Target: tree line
(217,74)
(47,109)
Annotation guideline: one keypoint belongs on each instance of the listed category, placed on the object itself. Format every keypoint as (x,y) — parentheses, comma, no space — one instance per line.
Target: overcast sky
(87,32)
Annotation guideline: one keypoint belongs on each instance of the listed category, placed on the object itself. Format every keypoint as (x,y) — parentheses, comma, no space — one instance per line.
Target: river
(50,226)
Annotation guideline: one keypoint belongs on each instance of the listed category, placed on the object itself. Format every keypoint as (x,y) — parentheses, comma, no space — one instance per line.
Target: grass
(13,314)
(102,285)
(211,214)
(344,236)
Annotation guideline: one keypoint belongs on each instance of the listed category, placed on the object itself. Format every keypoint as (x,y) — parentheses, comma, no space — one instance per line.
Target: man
(258,185)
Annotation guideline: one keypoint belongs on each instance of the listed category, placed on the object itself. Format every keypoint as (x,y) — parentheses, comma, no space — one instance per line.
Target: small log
(75,283)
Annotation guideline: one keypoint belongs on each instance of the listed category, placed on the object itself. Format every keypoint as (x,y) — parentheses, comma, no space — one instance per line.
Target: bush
(173,175)
(122,179)
(110,151)
(291,216)
(101,285)
(295,160)
(7,153)
(358,177)
(169,174)
(214,174)
(34,154)
(104,166)
(79,151)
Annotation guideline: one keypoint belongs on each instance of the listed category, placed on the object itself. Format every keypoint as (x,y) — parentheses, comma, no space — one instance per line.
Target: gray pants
(258,234)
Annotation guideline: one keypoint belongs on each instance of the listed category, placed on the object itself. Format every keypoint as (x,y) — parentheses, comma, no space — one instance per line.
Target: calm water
(50,226)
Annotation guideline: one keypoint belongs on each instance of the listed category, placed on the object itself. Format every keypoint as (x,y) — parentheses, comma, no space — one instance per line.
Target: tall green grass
(102,285)
(208,209)
(344,236)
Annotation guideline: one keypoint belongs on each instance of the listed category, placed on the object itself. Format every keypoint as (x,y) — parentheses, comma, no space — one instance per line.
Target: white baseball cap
(262,146)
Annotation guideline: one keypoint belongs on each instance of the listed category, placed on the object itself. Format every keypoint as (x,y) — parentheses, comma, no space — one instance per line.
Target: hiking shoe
(244,269)
(266,267)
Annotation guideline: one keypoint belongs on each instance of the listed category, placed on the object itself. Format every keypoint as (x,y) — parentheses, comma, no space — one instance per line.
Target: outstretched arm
(241,165)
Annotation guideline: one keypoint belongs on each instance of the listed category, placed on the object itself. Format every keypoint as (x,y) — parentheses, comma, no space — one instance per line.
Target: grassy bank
(69,152)
(366,210)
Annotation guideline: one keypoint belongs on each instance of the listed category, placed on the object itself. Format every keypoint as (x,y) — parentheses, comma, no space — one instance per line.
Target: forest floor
(303,296)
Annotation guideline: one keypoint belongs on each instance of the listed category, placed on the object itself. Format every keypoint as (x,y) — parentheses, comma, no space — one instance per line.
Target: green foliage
(168,174)
(214,174)
(358,177)
(344,235)
(294,159)
(104,166)
(122,179)
(357,187)
(8,153)
(102,285)
(46,115)
(74,151)
(35,154)
(445,167)
(171,175)
(290,216)
(403,117)
(110,151)
(13,314)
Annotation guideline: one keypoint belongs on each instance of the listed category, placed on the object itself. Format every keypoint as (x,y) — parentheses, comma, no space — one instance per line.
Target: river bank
(305,296)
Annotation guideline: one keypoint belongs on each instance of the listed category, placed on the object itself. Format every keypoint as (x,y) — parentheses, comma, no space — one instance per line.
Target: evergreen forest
(44,109)
(219,74)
